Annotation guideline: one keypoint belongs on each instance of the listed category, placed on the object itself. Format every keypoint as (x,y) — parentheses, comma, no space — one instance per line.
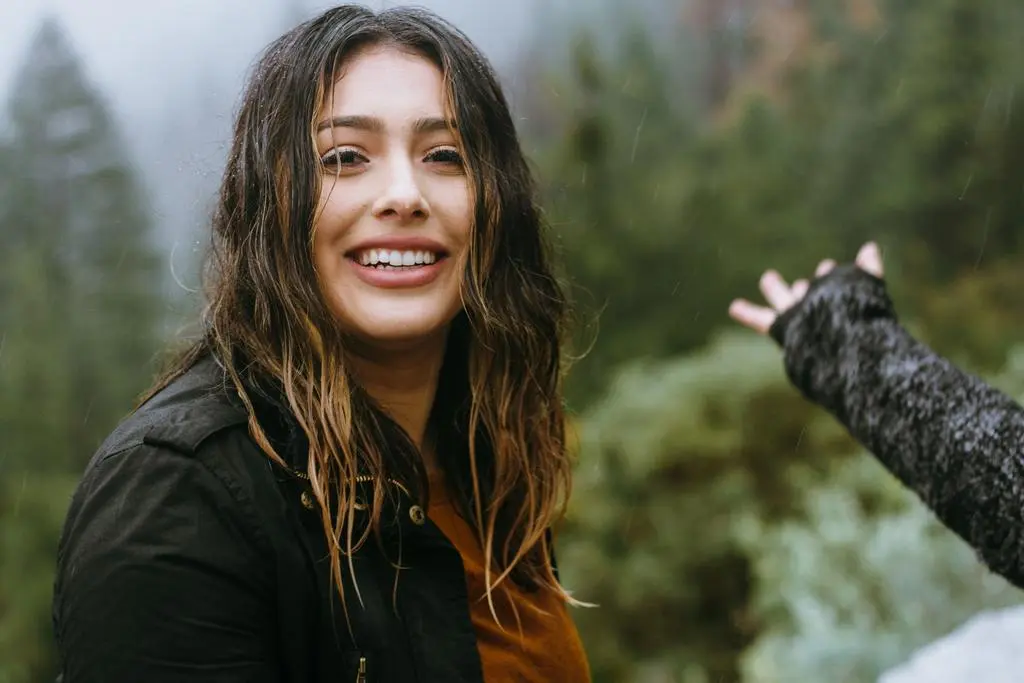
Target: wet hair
(498,416)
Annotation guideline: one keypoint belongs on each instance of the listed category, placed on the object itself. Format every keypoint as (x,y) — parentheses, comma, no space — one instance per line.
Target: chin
(381,318)
(398,333)
(411,325)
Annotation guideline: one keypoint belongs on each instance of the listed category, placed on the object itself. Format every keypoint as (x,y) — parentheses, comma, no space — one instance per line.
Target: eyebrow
(430,124)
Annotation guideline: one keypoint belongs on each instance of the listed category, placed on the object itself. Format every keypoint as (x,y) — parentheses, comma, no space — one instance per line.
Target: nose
(402,198)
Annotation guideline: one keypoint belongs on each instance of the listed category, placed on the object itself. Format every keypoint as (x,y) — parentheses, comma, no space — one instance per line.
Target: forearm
(951,438)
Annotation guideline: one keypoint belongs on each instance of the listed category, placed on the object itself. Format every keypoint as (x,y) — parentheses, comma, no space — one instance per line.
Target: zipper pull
(361,674)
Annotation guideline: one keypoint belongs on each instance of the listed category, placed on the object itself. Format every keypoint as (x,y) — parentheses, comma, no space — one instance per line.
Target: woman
(955,441)
(353,475)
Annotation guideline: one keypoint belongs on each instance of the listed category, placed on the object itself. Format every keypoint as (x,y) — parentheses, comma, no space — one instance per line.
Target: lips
(398,262)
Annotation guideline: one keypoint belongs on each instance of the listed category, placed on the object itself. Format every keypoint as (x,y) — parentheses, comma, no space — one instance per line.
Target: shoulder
(164,534)
(183,416)
(184,453)
(198,417)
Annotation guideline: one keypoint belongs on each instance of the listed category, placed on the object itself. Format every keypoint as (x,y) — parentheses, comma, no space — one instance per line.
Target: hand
(781,296)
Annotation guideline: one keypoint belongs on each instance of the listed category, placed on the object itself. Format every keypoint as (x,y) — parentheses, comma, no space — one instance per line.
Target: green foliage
(728,531)
(904,133)
(32,508)
(80,319)
(677,462)
(614,201)
(731,532)
(846,593)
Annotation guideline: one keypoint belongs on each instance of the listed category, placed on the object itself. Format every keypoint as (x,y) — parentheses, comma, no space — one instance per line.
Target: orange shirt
(549,649)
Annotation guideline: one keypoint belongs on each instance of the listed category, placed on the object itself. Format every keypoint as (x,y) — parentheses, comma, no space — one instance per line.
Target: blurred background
(730,532)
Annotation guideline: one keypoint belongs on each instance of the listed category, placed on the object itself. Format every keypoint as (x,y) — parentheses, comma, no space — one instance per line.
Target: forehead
(388,83)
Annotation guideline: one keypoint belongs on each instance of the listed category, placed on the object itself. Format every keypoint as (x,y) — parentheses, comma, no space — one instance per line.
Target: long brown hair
(498,414)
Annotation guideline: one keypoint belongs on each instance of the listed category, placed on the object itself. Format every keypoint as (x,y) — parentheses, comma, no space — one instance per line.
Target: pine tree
(615,207)
(85,209)
(80,315)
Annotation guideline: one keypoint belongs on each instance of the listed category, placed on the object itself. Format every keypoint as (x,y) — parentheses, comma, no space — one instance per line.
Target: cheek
(335,203)
(454,206)
(331,223)
(336,212)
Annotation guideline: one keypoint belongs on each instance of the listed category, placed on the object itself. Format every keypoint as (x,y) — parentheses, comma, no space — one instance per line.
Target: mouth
(392,259)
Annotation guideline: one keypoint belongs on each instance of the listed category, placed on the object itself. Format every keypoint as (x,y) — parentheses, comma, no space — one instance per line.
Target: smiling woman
(354,473)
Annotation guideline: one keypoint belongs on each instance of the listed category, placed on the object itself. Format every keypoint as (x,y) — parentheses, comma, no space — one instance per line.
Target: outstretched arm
(947,435)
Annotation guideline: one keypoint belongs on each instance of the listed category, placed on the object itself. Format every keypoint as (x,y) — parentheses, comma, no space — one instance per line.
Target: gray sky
(142,52)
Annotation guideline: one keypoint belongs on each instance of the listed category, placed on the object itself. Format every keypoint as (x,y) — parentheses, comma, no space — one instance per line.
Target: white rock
(988,648)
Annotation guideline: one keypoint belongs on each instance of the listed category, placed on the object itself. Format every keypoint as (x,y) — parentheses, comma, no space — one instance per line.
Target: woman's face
(395,210)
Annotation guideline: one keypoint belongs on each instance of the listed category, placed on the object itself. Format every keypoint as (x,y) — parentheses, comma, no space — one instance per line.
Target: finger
(800,288)
(824,267)
(869,258)
(776,292)
(757,318)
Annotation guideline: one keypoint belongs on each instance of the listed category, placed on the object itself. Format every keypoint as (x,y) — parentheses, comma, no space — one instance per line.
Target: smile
(385,259)
(398,268)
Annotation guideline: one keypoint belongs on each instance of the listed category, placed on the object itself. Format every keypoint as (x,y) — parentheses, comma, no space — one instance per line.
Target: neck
(403,380)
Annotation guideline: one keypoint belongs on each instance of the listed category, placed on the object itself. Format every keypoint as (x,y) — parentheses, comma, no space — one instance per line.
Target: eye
(343,157)
(448,156)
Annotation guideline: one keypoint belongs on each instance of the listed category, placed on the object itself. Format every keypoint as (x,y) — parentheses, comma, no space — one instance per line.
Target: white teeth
(394,259)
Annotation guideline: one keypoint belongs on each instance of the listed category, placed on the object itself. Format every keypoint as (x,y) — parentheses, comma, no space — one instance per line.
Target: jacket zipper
(361,674)
(360,479)
(365,478)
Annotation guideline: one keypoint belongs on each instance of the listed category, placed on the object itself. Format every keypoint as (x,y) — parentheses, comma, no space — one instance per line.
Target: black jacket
(187,555)
(947,435)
